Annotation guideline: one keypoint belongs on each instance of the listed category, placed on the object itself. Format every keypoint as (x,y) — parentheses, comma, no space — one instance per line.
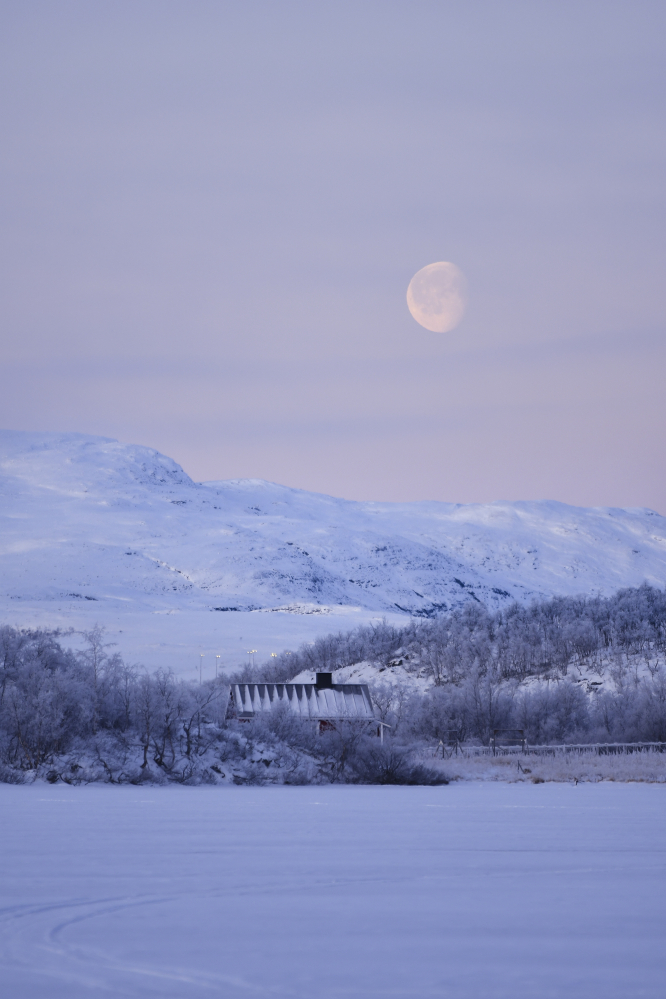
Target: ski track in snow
(96,531)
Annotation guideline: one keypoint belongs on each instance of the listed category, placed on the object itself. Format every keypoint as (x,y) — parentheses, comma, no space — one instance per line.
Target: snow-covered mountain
(87,519)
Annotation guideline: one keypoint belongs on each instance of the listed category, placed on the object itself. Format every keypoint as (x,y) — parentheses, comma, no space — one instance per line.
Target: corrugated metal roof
(349,701)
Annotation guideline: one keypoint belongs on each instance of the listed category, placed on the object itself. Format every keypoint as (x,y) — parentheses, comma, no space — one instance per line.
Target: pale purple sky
(211,213)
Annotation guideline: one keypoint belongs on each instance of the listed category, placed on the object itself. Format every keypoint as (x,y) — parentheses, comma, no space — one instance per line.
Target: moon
(437,296)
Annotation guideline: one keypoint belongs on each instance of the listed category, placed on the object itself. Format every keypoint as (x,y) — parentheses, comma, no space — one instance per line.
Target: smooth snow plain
(468,891)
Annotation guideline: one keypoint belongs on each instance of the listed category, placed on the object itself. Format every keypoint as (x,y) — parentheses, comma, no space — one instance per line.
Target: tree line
(568,669)
(564,670)
(548,638)
(54,700)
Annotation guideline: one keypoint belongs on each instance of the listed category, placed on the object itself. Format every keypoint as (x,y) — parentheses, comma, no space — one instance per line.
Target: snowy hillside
(87,520)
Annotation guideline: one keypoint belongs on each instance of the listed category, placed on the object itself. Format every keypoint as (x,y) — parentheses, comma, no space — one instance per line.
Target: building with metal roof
(323,702)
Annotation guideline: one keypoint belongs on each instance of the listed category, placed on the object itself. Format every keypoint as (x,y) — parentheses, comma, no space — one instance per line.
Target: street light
(201,655)
(251,652)
(216,665)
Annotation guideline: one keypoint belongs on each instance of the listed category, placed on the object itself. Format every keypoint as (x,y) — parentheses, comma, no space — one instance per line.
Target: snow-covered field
(469,891)
(176,638)
(94,531)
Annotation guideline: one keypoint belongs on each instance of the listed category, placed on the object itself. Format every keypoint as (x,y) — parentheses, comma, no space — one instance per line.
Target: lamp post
(201,655)
(382,726)
(251,652)
(217,663)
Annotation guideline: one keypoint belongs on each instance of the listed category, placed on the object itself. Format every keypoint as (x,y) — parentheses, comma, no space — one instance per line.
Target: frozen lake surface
(470,891)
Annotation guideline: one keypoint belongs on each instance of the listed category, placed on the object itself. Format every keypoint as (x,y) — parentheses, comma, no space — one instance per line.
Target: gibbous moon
(437,296)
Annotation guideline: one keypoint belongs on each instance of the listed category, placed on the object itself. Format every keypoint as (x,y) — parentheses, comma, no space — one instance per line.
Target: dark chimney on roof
(324,680)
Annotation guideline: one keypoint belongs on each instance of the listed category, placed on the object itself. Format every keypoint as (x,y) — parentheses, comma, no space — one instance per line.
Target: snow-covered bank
(465,891)
(526,768)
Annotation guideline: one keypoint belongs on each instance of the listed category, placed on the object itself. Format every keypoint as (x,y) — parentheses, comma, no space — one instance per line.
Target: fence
(496,748)
(509,738)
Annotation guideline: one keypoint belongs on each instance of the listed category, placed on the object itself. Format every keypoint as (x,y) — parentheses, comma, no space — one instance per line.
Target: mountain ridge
(87,517)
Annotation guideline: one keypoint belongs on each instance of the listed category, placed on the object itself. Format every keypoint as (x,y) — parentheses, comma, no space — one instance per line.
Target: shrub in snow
(391,763)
